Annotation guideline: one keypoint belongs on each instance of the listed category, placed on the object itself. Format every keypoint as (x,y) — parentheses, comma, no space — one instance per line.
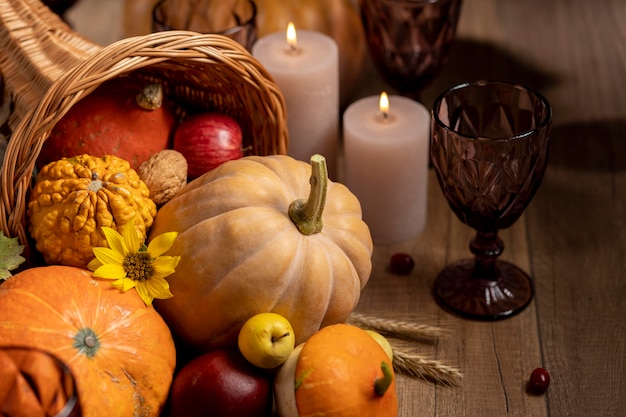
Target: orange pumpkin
(120,351)
(341,371)
(126,117)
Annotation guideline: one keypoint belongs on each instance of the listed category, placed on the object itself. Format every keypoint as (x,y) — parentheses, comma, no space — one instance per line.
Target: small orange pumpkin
(125,116)
(341,371)
(120,351)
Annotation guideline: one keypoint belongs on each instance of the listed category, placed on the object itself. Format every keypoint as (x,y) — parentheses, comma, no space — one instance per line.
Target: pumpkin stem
(307,214)
(86,342)
(382,384)
(151,97)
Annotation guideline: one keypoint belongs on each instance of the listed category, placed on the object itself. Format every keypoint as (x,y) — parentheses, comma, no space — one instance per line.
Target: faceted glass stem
(486,247)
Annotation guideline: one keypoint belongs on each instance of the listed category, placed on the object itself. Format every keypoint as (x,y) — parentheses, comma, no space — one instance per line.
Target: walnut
(165,174)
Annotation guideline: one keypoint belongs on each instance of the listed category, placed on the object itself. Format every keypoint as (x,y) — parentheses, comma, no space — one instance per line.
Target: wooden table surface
(572,238)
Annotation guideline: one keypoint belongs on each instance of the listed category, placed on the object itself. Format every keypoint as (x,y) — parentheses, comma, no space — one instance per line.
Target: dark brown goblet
(489,149)
(38,382)
(409,40)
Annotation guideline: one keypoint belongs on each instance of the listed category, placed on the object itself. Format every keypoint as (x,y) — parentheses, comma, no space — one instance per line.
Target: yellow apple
(383,342)
(266,340)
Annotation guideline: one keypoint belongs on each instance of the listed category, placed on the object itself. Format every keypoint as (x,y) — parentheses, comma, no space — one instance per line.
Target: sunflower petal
(144,293)
(110,271)
(108,256)
(94,264)
(161,244)
(159,288)
(115,241)
(130,237)
(124,284)
(165,265)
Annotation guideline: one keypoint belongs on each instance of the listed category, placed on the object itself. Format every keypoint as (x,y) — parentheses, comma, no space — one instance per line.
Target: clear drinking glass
(35,383)
(489,149)
(409,40)
(235,19)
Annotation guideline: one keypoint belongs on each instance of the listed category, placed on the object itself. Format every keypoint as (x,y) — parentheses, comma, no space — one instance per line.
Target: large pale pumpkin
(120,351)
(243,254)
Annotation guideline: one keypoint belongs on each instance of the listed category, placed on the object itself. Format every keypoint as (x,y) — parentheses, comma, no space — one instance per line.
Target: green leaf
(10,255)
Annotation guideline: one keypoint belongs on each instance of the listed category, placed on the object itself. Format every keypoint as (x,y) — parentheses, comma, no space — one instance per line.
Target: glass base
(483,299)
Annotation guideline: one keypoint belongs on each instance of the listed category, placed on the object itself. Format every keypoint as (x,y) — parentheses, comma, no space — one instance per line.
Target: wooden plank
(496,358)
(577,222)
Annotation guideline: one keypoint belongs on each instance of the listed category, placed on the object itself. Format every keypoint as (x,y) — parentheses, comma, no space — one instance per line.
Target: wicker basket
(47,68)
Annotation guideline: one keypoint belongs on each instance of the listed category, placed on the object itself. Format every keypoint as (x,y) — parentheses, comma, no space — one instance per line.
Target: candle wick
(385,115)
(293,48)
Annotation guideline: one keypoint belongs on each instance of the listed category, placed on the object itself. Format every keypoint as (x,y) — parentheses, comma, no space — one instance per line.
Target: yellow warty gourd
(74,197)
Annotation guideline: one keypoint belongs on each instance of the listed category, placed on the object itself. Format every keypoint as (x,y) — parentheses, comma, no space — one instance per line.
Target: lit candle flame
(292,39)
(383,105)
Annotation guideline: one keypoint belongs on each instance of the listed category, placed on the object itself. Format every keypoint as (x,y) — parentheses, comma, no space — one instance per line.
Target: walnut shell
(165,174)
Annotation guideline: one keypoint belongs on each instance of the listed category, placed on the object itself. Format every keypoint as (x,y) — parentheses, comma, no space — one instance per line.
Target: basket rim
(136,53)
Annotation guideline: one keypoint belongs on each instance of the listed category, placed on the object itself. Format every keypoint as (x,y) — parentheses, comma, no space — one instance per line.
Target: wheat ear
(415,365)
(405,360)
(396,328)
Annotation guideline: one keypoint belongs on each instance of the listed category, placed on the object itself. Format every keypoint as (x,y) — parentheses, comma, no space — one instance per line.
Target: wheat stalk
(418,366)
(396,328)
(405,360)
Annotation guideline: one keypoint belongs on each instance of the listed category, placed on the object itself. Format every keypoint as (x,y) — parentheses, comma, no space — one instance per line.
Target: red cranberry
(539,381)
(401,264)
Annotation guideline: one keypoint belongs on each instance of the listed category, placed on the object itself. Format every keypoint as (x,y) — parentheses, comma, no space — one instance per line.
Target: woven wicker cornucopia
(47,68)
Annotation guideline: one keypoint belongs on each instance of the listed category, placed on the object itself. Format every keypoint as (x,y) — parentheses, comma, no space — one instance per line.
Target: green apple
(383,342)
(266,340)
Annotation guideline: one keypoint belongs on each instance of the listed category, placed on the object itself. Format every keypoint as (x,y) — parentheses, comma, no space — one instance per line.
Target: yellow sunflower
(133,265)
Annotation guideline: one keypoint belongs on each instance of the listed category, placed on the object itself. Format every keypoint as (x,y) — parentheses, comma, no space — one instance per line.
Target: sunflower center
(138,266)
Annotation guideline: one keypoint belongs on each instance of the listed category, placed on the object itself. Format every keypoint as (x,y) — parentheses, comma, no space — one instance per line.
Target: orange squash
(341,371)
(120,351)
(74,197)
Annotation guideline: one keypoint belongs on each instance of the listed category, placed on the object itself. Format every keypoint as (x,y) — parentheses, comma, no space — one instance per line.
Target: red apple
(208,140)
(221,383)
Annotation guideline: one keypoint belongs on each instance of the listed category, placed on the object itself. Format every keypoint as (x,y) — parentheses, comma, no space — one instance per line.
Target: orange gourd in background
(120,351)
(339,19)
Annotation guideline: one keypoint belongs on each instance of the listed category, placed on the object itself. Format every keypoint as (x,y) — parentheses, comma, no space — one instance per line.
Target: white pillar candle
(386,164)
(307,72)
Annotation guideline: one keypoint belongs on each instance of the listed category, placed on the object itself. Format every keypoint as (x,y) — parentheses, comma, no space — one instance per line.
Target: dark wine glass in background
(409,40)
(489,149)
